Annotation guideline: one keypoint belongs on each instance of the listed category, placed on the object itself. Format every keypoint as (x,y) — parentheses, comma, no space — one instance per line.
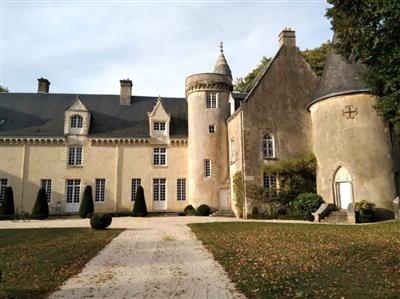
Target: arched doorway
(343,188)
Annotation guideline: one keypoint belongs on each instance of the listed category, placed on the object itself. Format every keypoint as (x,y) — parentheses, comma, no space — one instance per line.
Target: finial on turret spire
(221,47)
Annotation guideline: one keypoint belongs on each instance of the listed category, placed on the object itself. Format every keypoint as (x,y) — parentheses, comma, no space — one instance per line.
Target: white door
(159,194)
(73,193)
(224,203)
(345,194)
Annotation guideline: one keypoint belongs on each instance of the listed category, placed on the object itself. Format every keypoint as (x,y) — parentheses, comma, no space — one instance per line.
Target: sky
(88,46)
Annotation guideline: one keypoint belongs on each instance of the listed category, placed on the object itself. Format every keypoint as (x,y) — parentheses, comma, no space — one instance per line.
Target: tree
(139,208)
(3,89)
(315,57)
(7,206)
(87,206)
(41,207)
(368,32)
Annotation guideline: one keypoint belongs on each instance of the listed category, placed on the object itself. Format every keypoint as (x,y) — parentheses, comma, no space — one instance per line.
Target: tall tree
(315,57)
(3,89)
(368,31)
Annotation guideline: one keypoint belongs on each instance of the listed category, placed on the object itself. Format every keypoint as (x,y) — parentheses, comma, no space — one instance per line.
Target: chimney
(287,37)
(43,85)
(126,92)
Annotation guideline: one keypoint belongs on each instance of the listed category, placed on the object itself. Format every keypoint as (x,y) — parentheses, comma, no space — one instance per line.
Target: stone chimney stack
(287,37)
(43,85)
(126,92)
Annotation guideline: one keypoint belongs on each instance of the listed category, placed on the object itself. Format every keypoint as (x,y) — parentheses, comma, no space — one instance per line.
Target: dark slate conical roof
(221,66)
(338,77)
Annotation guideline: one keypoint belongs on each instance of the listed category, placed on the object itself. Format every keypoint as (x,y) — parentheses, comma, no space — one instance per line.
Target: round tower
(208,95)
(350,140)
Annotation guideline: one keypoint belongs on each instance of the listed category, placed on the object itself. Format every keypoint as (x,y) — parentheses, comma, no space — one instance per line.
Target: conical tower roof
(339,77)
(221,66)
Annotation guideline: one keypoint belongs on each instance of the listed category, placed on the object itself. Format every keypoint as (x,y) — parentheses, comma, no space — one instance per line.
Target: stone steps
(224,213)
(336,217)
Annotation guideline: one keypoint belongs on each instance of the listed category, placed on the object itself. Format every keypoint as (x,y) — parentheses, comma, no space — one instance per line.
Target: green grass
(35,262)
(277,260)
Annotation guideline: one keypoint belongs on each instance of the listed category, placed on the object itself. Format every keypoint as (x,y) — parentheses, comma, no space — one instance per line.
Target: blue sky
(87,47)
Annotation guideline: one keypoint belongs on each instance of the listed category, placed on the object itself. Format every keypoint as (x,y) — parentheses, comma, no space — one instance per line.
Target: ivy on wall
(239,191)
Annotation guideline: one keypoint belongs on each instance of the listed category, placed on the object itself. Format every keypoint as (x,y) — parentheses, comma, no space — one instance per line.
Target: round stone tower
(208,95)
(351,142)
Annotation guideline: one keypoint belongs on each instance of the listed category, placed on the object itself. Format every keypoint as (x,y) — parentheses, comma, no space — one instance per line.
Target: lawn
(277,260)
(35,262)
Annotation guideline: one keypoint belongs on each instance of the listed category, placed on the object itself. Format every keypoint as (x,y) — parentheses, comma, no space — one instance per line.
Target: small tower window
(233,151)
(207,168)
(159,126)
(268,146)
(76,121)
(211,129)
(211,100)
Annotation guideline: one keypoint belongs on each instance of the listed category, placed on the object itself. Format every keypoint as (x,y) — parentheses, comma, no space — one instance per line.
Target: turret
(207,95)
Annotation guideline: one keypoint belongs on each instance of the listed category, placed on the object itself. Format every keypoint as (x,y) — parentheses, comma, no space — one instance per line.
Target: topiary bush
(139,207)
(203,210)
(41,207)
(87,205)
(189,211)
(365,211)
(307,203)
(100,221)
(7,206)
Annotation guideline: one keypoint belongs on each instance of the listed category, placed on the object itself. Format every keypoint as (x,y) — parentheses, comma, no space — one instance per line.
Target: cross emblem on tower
(350,112)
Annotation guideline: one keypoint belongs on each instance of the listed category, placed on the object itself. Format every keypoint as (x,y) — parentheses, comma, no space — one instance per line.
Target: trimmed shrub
(296,217)
(203,210)
(365,211)
(254,212)
(41,207)
(87,205)
(307,203)
(7,206)
(100,221)
(189,211)
(139,207)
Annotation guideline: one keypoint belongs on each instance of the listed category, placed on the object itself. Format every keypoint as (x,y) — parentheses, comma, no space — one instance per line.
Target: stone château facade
(187,150)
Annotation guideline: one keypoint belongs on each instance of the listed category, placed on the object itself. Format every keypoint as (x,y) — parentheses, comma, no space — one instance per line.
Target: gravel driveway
(155,257)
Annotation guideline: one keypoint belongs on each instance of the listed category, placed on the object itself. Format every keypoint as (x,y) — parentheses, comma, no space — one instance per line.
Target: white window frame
(212,129)
(268,146)
(73,190)
(75,156)
(3,187)
(181,189)
(160,156)
(46,185)
(100,190)
(159,189)
(207,168)
(211,100)
(270,184)
(135,183)
(76,121)
(159,126)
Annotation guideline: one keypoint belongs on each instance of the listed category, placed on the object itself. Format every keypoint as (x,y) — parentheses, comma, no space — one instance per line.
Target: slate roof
(338,77)
(42,115)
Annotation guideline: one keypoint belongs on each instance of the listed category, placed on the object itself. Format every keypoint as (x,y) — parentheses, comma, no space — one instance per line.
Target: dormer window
(76,121)
(159,126)
(211,100)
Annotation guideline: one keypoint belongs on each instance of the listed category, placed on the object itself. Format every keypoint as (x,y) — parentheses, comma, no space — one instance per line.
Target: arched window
(268,146)
(76,121)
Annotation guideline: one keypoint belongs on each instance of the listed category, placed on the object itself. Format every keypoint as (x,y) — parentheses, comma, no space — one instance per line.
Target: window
(211,99)
(207,168)
(134,186)
(397,182)
(46,185)
(159,126)
(270,184)
(159,186)
(100,190)
(233,151)
(73,191)
(268,146)
(3,187)
(181,189)
(160,156)
(211,129)
(76,121)
(75,156)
